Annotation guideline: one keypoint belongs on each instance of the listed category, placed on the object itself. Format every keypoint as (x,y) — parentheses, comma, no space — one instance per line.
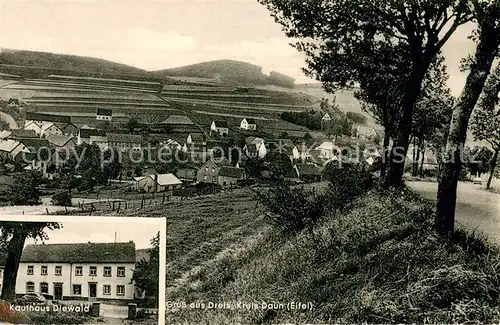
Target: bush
(62,198)
(347,181)
(292,209)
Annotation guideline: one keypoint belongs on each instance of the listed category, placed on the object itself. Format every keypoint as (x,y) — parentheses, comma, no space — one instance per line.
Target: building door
(92,290)
(58,291)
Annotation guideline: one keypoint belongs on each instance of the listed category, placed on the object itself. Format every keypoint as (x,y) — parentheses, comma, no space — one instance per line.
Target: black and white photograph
(72,271)
(313,161)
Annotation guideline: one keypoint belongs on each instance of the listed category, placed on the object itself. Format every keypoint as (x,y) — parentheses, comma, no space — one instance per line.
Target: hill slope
(33,64)
(229,71)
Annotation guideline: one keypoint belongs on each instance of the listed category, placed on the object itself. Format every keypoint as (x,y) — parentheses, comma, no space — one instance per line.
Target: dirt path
(477,209)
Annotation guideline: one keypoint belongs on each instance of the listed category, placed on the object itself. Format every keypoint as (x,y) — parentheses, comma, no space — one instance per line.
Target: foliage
(24,190)
(291,209)
(357,118)
(278,164)
(310,120)
(146,273)
(347,181)
(62,198)
(485,122)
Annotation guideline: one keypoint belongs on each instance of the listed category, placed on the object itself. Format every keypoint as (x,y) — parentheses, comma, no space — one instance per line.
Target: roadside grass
(379,261)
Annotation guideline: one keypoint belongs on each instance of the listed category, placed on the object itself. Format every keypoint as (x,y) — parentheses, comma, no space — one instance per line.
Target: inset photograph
(62,270)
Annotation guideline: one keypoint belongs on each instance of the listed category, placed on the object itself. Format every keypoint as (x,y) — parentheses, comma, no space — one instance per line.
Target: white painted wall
(69,278)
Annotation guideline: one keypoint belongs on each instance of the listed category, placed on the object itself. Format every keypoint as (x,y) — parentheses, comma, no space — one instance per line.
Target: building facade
(91,271)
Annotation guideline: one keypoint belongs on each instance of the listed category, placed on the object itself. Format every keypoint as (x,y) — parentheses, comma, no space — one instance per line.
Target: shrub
(292,209)
(347,181)
(62,198)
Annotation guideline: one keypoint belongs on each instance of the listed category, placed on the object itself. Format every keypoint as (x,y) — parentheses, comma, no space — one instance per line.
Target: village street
(476,207)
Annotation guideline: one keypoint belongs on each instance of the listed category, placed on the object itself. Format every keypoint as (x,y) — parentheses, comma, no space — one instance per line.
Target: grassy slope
(378,262)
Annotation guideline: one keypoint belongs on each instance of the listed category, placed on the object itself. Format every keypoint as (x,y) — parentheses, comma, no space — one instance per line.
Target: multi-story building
(104,114)
(89,271)
(49,123)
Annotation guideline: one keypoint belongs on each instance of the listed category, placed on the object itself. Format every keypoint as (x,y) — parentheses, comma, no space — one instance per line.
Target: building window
(120,290)
(77,289)
(205,177)
(44,270)
(107,271)
(107,289)
(93,271)
(79,270)
(213,170)
(31,270)
(206,169)
(58,270)
(44,288)
(30,287)
(121,271)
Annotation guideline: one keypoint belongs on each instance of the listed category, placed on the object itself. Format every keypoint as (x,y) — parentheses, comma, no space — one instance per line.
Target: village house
(11,149)
(125,142)
(326,118)
(61,143)
(14,103)
(104,114)
(42,123)
(41,157)
(177,120)
(209,172)
(219,127)
(17,134)
(285,146)
(195,138)
(304,152)
(255,151)
(248,124)
(89,271)
(229,176)
(187,174)
(366,132)
(158,183)
(84,135)
(100,141)
(328,149)
(308,172)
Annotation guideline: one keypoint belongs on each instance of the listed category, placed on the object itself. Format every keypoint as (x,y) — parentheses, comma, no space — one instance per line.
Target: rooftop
(104,112)
(167,179)
(220,124)
(250,120)
(129,138)
(177,119)
(32,116)
(308,169)
(8,145)
(87,133)
(231,172)
(58,140)
(80,253)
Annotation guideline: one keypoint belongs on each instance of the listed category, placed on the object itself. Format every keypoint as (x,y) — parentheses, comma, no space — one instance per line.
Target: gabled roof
(87,133)
(250,120)
(124,138)
(197,137)
(58,140)
(99,138)
(178,119)
(308,169)
(213,144)
(8,145)
(220,124)
(252,147)
(5,134)
(22,133)
(34,144)
(219,162)
(32,116)
(139,178)
(104,112)
(80,253)
(285,143)
(167,179)
(48,125)
(233,172)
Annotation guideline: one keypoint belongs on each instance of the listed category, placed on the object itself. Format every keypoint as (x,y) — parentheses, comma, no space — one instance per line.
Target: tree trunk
(479,71)
(416,158)
(403,129)
(422,160)
(492,168)
(385,151)
(15,250)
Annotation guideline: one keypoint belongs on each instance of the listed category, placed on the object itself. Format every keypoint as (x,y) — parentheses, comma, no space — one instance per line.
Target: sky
(102,230)
(155,35)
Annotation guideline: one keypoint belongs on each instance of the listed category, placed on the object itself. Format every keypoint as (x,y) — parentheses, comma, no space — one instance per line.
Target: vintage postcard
(72,270)
(313,161)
